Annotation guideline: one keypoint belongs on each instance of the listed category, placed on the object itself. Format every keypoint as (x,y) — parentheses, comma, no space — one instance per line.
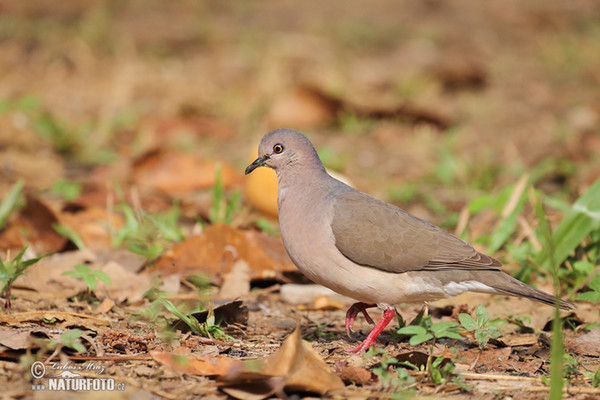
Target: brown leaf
(91,224)
(220,247)
(351,374)
(46,276)
(20,337)
(323,303)
(294,367)
(528,339)
(67,318)
(236,282)
(125,285)
(34,225)
(302,367)
(179,172)
(304,107)
(587,344)
(193,365)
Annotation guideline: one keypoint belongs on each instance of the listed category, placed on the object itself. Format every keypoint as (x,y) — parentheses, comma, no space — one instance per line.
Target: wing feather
(373,233)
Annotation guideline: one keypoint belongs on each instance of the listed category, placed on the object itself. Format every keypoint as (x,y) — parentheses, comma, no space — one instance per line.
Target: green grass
(11,202)
(223,209)
(10,270)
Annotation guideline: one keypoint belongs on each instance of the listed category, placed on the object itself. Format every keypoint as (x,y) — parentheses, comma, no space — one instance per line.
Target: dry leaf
(527,339)
(179,172)
(296,366)
(302,367)
(220,247)
(303,107)
(20,337)
(125,285)
(91,224)
(352,374)
(323,303)
(194,365)
(33,225)
(46,276)
(237,282)
(64,319)
(587,344)
(261,190)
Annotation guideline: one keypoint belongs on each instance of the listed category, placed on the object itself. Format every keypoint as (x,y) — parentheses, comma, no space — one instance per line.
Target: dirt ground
(149,108)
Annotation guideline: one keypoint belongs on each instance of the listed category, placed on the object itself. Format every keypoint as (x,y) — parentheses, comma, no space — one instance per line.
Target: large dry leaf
(46,276)
(20,337)
(195,365)
(302,367)
(179,172)
(220,247)
(587,344)
(92,225)
(33,225)
(237,282)
(125,285)
(303,107)
(296,366)
(62,319)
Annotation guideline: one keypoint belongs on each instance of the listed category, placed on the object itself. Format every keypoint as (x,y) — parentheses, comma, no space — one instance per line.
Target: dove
(367,249)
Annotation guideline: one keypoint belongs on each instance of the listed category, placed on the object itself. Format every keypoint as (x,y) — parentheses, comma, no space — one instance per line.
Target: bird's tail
(506,284)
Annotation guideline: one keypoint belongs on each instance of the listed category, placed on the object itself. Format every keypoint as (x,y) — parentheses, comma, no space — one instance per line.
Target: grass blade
(10,201)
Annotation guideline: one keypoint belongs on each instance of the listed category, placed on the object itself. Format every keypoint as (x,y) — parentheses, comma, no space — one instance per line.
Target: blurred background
(429,104)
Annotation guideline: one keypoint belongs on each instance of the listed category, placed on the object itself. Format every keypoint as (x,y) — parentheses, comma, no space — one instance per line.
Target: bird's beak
(259,162)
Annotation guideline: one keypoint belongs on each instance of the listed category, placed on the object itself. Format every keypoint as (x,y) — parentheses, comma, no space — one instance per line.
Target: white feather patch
(456,288)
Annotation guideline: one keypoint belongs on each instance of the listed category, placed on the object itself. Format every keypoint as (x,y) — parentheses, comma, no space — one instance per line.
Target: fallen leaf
(179,172)
(351,374)
(323,303)
(220,247)
(92,226)
(295,293)
(236,283)
(296,366)
(194,365)
(303,107)
(20,337)
(302,367)
(527,339)
(125,285)
(33,225)
(64,319)
(106,305)
(261,190)
(46,276)
(587,344)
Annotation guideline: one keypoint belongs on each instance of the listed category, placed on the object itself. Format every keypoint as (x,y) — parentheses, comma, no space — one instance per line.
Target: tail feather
(513,287)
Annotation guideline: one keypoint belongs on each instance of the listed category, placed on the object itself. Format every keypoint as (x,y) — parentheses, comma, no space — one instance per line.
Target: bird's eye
(278,148)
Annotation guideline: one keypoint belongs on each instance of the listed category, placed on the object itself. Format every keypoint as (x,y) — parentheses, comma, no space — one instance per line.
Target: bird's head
(283,149)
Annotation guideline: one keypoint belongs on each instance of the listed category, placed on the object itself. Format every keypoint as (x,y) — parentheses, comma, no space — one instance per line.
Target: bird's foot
(353,312)
(388,315)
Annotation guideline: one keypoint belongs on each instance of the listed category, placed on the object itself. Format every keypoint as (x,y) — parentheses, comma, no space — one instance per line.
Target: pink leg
(388,315)
(353,312)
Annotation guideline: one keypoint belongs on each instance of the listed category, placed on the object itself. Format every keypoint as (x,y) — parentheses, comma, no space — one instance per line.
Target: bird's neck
(303,182)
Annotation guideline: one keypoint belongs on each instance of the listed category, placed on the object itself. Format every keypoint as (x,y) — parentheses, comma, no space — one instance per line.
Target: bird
(367,249)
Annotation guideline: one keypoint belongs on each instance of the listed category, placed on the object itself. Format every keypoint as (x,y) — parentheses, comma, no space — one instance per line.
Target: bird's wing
(373,233)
